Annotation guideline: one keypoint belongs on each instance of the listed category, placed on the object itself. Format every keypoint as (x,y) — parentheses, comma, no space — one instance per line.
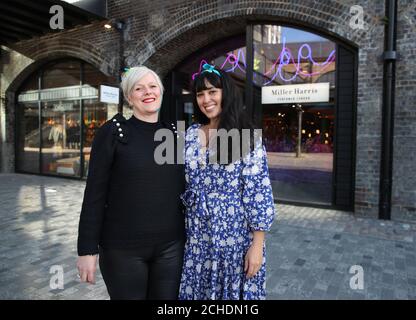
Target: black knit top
(129,199)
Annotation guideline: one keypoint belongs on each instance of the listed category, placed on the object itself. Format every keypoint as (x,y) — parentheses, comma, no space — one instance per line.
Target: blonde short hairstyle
(133,75)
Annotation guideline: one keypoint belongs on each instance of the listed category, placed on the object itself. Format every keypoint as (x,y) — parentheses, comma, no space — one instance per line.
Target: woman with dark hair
(229,205)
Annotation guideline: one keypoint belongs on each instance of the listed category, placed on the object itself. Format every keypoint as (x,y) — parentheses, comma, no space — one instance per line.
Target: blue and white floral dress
(224,204)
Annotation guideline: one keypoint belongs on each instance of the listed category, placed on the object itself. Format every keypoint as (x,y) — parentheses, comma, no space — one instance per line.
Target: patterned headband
(210,68)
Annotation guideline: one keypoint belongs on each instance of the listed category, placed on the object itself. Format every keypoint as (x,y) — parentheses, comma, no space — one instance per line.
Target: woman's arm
(93,205)
(95,194)
(259,208)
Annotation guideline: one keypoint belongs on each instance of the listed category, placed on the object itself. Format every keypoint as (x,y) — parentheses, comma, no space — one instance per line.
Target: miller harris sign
(295,93)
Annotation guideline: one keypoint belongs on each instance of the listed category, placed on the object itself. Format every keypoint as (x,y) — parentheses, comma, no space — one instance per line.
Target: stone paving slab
(310,251)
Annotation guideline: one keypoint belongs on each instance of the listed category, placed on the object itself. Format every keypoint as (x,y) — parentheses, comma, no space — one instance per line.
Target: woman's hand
(253,259)
(87,265)
(254,255)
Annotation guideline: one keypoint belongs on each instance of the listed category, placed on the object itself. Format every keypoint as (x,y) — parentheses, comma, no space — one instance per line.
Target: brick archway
(49,50)
(205,22)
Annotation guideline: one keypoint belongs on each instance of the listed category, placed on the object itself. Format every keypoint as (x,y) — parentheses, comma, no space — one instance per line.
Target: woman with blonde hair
(131,214)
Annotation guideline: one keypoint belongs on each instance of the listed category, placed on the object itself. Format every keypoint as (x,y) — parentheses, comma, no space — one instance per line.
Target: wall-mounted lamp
(116,24)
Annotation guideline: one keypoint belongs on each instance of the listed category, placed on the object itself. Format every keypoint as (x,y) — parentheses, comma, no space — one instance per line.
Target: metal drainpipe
(389,57)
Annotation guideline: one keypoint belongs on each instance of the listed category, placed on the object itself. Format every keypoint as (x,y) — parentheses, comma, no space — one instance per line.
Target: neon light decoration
(285,58)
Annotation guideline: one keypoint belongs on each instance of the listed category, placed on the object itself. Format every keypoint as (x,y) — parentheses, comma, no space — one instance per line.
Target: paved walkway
(310,252)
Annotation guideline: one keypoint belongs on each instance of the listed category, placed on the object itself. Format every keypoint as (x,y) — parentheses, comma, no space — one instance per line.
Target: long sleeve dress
(224,205)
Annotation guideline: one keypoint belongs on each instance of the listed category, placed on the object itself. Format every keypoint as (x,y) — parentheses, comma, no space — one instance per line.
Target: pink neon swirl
(286,57)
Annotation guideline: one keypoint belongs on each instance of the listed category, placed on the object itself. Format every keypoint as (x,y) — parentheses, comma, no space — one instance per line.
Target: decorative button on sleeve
(120,128)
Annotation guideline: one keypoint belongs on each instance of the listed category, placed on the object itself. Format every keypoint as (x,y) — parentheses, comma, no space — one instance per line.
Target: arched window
(293,76)
(58,113)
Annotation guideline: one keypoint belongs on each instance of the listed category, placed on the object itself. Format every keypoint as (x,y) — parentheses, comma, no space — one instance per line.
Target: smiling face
(209,101)
(145,96)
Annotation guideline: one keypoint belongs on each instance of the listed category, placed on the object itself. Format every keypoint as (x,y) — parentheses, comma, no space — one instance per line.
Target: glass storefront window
(28,137)
(95,115)
(283,57)
(50,104)
(61,138)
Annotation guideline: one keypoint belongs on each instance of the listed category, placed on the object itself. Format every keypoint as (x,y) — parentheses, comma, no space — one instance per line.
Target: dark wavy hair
(233,114)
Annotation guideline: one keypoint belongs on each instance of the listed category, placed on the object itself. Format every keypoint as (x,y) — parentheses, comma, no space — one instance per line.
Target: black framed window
(288,65)
(58,113)
(301,158)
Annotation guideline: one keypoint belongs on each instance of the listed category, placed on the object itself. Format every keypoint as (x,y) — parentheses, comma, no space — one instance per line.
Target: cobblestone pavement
(310,252)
